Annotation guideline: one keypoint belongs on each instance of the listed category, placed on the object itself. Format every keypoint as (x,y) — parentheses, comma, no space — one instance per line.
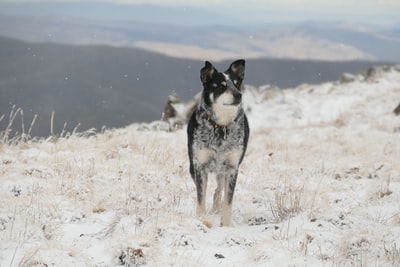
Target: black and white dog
(218,132)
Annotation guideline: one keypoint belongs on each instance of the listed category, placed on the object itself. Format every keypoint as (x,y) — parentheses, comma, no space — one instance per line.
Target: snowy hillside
(319,186)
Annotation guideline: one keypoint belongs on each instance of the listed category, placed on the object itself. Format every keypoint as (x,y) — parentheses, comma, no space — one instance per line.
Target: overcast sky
(384,12)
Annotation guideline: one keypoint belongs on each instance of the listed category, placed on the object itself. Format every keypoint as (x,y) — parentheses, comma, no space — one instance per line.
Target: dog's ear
(237,68)
(207,72)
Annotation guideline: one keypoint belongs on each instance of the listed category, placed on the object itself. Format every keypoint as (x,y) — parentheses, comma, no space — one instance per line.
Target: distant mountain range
(108,86)
(194,32)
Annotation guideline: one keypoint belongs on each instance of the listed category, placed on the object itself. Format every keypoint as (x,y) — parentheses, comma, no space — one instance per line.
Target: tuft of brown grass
(286,203)
(385,191)
(392,254)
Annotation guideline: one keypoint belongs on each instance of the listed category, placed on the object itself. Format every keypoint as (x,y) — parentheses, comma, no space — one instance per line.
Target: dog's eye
(214,85)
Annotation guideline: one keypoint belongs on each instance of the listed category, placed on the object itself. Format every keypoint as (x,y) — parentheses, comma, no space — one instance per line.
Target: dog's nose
(237,96)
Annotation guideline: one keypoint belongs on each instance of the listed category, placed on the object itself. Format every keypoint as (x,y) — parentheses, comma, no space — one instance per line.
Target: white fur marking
(234,156)
(224,112)
(204,155)
(226,219)
(217,195)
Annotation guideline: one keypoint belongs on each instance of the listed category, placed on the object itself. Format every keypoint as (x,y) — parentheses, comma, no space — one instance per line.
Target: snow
(319,186)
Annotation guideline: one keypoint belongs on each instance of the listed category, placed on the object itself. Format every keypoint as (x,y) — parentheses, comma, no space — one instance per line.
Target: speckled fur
(218,132)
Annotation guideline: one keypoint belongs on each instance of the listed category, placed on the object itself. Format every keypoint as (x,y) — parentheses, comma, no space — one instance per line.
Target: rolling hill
(109,86)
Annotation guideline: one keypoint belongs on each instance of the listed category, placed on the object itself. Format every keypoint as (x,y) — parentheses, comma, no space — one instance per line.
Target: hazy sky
(367,11)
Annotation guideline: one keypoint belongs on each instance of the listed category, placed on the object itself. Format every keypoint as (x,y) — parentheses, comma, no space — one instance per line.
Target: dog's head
(222,93)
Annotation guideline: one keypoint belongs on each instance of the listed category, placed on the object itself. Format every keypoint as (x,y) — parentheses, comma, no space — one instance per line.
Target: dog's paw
(226,223)
(207,222)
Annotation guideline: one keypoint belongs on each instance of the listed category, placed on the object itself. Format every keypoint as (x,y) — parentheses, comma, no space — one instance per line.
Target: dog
(218,132)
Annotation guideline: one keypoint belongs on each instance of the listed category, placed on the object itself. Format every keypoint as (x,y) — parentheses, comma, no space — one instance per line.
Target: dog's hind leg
(229,188)
(217,194)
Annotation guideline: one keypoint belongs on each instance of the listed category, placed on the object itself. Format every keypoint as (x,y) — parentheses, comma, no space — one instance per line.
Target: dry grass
(10,136)
(286,203)
(392,254)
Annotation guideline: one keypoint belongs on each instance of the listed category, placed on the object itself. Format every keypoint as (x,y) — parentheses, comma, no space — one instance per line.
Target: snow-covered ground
(319,186)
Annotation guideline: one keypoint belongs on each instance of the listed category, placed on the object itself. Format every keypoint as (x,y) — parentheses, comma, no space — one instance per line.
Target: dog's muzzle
(237,95)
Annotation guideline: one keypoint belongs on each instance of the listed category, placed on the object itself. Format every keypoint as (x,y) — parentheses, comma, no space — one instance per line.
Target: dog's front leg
(201,188)
(217,194)
(229,189)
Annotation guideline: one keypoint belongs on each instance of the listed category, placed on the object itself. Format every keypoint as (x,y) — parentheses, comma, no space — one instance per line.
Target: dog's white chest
(224,112)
